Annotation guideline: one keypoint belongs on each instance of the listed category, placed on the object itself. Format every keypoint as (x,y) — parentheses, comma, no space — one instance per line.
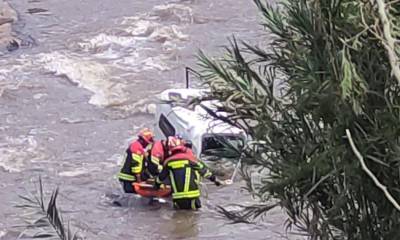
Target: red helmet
(175,144)
(147,135)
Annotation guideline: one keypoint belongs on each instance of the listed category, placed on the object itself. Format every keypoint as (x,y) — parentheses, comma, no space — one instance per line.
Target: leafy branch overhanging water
(323,67)
(44,221)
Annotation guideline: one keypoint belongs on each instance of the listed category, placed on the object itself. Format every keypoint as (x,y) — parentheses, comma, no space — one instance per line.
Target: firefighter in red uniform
(184,171)
(158,154)
(133,168)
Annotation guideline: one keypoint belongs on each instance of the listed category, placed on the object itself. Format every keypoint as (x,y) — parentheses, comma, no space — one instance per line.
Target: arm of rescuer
(157,153)
(198,166)
(203,170)
(161,177)
(137,163)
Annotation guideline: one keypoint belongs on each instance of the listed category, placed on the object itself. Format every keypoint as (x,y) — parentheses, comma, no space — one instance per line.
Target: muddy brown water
(73,99)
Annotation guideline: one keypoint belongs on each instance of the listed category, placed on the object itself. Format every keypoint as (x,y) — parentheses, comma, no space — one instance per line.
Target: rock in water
(8,16)
(4,20)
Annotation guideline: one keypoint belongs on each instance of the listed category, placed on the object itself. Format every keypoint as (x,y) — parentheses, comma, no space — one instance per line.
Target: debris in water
(12,45)
(75,121)
(116,203)
(36,10)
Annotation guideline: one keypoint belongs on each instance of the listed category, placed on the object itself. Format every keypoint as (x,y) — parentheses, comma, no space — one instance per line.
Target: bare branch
(393,2)
(370,174)
(390,41)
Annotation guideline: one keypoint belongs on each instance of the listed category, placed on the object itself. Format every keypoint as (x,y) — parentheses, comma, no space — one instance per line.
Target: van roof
(182,94)
(195,120)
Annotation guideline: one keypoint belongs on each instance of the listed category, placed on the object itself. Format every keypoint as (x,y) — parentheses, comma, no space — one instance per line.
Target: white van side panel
(181,127)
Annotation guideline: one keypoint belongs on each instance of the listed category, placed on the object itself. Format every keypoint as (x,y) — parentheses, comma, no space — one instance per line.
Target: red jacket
(158,152)
(158,155)
(187,154)
(138,157)
(136,148)
(134,162)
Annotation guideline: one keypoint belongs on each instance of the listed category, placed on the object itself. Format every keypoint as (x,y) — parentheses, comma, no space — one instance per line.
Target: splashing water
(92,75)
(16,153)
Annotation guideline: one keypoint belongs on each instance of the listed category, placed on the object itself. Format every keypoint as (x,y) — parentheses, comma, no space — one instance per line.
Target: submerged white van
(174,116)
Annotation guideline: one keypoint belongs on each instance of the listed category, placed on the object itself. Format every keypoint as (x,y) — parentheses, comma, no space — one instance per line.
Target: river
(75,95)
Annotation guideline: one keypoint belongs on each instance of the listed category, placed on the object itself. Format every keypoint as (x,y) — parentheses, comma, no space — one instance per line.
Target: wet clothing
(184,171)
(127,186)
(187,204)
(132,170)
(157,156)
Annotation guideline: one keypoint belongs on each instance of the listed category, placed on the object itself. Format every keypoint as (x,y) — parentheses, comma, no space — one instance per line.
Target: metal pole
(187,77)
(188,71)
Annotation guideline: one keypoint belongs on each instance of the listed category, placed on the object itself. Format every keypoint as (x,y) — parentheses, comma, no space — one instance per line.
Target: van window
(228,146)
(166,127)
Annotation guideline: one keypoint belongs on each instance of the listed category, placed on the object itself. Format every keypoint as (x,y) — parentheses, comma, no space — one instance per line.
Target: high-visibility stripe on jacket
(184,175)
(138,155)
(158,154)
(133,164)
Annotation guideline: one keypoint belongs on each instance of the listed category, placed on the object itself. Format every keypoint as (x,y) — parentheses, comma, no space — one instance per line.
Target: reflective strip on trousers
(190,194)
(171,176)
(194,204)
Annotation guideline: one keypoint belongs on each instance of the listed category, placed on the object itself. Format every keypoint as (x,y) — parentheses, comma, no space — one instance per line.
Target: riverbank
(8,16)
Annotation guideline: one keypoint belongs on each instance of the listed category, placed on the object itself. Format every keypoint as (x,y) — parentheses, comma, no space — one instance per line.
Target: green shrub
(326,66)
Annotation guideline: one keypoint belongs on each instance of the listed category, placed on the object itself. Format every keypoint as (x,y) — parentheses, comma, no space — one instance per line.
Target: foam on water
(139,27)
(16,153)
(150,29)
(173,12)
(107,41)
(89,74)
(152,63)
(145,42)
(108,62)
(6,82)
(13,73)
(73,173)
(135,64)
(143,106)
(167,33)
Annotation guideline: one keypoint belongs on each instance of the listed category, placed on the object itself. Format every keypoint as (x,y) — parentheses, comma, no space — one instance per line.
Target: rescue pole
(230,181)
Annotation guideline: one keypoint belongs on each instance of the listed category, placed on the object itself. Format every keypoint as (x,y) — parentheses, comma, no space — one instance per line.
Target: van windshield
(227,146)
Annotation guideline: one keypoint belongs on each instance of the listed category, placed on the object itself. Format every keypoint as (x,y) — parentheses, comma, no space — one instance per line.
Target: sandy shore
(8,16)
